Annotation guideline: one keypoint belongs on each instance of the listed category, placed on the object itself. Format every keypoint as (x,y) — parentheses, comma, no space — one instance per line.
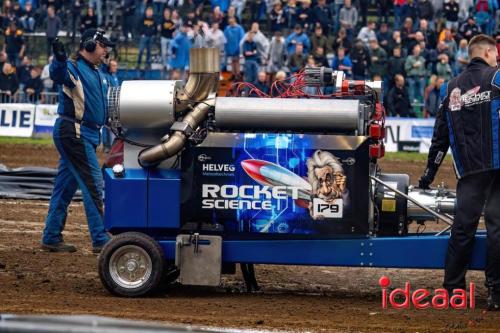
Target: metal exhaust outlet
(202,83)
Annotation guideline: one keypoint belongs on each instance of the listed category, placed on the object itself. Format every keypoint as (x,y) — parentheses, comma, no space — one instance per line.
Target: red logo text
(402,298)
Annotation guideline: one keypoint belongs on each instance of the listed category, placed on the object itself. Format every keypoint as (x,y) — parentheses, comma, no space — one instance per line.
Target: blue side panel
(443,91)
(453,145)
(164,199)
(125,200)
(43,129)
(397,252)
(495,109)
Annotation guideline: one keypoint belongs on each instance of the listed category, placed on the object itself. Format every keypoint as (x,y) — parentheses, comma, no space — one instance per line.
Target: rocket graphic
(269,174)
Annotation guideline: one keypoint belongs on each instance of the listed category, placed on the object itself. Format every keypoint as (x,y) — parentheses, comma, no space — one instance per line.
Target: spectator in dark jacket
(378,59)
(23,71)
(323,15)
(52,26)
(394,42)
(398,103)
(277,17)
(147,30)
(320,57)
(433,100)
(429,34)
(128,11)
(341,40)
(450,12)
(8,81)
(383,7)
(291,10)
(261,84)
(34,85)
(318,39)
(89,21)
(76,17)
(408,35)
(14,44)
(425,10)
(469,29)
(412,11)
(28,17)
(305,15)
(395,66)
(251,56)
(360,60)
(297,60)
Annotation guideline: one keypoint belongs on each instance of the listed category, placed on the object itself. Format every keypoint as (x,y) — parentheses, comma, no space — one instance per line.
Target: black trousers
(475,192)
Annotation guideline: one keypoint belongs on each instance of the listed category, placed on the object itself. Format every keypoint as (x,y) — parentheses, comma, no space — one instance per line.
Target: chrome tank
(147,104)
(245,113)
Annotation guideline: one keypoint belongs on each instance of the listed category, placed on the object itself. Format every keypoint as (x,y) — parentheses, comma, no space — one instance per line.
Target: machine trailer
(289,178)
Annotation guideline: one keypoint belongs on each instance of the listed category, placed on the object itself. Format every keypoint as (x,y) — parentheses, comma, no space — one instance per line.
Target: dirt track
(292,298)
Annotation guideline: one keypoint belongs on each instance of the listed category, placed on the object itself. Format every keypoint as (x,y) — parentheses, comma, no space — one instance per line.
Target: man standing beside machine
(468,121)
(82,113)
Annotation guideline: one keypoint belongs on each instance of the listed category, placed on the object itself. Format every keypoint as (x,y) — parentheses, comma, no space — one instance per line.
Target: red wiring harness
(294,87)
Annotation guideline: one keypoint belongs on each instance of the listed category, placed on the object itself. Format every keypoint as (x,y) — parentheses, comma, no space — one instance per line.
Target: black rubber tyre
(131,265)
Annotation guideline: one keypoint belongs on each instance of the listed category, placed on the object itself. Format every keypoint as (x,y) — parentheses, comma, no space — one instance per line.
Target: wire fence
(28,97)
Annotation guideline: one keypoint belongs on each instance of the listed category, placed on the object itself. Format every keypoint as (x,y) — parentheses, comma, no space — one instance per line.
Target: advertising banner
(259,184)
(45,117)
(17,119)
(408,134)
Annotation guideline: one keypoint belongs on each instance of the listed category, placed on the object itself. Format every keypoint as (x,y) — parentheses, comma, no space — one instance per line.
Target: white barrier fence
(30,120)
(17,120)
(408,134)
(27,120)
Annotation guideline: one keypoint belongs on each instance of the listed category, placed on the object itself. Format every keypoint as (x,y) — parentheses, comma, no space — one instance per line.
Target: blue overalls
(82,111)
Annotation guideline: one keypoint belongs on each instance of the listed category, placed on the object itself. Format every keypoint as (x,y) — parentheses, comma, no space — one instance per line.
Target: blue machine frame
(158,191)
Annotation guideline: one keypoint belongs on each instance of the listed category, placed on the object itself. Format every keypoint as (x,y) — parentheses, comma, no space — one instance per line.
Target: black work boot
(97,249)
(59,247)
(493,300)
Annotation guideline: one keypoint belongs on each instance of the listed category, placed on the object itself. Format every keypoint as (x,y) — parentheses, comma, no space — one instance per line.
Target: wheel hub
(130,266)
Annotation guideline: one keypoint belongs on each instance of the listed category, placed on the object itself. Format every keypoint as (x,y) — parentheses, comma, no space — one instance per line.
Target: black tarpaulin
(28,183)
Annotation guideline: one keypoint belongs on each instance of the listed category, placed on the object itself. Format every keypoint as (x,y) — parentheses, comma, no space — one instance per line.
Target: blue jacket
(301,38)
(233,36)
(346,61)
(223,4)
(180,47)
(82,96)
(113,80)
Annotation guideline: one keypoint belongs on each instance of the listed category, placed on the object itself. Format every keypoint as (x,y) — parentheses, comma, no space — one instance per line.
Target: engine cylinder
(239,113)
(147,104)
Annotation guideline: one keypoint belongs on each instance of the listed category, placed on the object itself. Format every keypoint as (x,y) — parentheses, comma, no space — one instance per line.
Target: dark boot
(59,247)
(493,300)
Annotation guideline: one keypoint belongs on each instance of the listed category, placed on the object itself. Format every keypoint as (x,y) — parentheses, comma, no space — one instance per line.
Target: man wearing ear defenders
(82,113)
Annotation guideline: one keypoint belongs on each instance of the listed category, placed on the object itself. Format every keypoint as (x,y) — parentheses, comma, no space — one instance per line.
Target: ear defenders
(90,44)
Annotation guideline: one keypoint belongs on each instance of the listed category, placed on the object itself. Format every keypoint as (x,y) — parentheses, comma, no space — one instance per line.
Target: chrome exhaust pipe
(173,144)
(203,78)
(202,83)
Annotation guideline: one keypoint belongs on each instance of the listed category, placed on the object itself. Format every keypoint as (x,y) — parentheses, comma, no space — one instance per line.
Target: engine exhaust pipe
(203,78)
(202,83)
(173,144)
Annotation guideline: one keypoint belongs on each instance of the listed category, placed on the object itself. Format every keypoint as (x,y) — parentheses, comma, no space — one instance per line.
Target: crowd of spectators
(412,46)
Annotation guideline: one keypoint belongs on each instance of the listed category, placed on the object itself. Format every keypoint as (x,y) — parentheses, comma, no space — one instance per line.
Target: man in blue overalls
(82,113)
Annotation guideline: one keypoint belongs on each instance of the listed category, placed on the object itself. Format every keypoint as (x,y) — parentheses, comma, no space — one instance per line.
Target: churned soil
(292,298)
